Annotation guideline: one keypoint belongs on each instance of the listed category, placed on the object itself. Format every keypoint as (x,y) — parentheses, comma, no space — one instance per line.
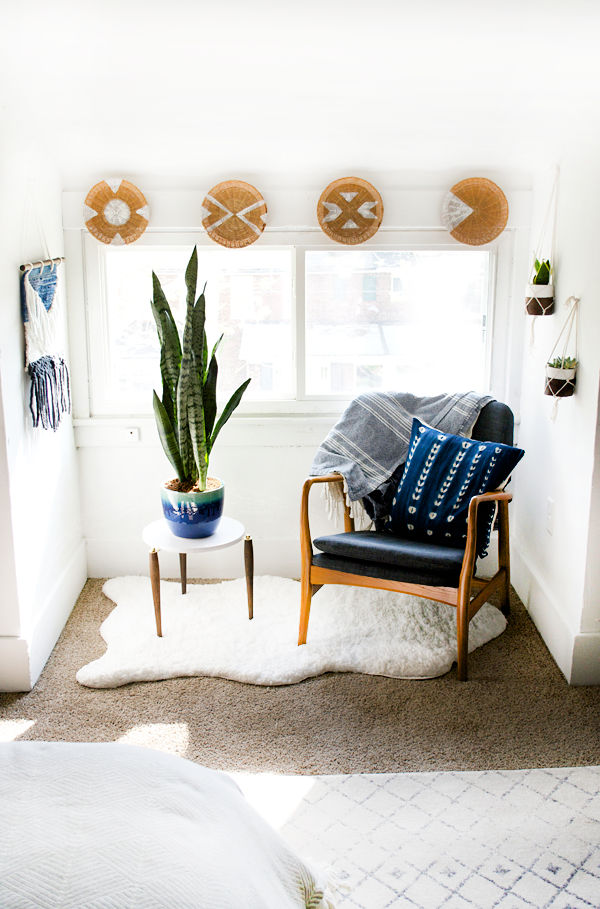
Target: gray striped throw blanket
(369,443)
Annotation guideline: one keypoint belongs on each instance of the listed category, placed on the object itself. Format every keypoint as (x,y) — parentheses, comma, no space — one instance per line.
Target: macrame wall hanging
(561,370)
(539,296)
(50,395)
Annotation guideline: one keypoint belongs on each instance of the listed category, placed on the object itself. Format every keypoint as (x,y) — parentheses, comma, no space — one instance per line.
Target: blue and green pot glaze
(193,514)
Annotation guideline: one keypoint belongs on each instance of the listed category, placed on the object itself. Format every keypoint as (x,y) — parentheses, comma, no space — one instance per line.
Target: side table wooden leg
(249,567)
(155,582)
(183,570)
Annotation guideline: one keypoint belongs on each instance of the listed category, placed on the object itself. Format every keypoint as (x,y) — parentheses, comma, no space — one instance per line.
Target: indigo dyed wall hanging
(49,396)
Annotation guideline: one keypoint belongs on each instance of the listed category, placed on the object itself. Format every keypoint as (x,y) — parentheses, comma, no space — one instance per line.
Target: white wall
(263,460)
(43,555)
(556,574)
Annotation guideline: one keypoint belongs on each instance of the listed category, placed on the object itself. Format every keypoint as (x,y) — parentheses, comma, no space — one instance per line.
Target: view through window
(410,320)
(404,319)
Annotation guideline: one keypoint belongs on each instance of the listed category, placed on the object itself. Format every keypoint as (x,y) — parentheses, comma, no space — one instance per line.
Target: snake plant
(543,271)
(185,416)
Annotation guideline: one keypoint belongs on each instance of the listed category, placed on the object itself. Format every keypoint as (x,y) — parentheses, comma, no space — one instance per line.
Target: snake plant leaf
(199,345)
(167,437)
(231,405)
(197,431)
(168,404)
(170,347)
(191,278)
(209,393)
(213,354)
(187,379)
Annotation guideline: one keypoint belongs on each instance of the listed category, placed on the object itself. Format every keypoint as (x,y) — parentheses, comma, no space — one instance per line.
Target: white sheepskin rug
(207,632)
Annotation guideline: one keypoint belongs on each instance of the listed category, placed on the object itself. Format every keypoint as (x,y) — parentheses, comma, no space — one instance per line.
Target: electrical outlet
(550,516)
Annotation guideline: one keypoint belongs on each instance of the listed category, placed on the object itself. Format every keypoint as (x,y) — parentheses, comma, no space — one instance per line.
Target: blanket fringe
(50,394)
(335,497)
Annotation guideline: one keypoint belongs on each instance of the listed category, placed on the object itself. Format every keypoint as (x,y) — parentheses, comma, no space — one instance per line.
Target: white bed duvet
(85,826)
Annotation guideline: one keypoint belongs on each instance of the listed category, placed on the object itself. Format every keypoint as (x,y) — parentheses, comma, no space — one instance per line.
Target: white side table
(158,536)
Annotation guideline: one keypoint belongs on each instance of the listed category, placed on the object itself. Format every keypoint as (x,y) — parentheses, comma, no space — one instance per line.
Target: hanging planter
(561,376)
(539,293)
(561,371)
(539,296)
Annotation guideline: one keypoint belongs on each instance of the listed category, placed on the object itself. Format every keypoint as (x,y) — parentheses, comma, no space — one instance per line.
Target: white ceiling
(178,92)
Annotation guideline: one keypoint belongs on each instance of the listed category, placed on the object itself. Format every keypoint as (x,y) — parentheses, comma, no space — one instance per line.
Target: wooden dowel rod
(41,262)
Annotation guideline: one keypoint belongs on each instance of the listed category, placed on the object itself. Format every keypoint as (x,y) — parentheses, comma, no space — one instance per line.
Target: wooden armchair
(446,575)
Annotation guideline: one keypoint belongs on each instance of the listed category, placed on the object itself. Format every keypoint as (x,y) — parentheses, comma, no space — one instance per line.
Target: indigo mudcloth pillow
(441,474)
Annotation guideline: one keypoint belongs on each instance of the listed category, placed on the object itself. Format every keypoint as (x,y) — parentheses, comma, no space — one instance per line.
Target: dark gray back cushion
(495,423)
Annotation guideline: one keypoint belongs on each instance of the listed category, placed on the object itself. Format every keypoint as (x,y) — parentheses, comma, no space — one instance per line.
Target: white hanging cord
(555,219)
(41,233)
(549,223)
(568,324)
(532,332)
(30,214)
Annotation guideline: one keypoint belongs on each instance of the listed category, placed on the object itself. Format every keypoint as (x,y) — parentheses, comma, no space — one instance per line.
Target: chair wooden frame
(470,595)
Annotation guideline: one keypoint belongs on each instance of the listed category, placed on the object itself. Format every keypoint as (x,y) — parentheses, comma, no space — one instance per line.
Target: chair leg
(505,601)
(504,556)
(462,639)
(305,599)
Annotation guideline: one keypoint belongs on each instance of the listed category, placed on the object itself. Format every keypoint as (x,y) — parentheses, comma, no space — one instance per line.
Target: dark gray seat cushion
(382,555)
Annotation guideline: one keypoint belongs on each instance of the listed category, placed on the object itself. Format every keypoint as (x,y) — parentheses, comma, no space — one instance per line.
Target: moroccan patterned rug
(496,838)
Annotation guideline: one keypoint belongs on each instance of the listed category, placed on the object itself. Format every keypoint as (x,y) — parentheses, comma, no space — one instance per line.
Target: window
(429,336)
(310,324)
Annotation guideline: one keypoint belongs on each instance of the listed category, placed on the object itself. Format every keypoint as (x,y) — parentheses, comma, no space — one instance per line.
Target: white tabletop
(158,536)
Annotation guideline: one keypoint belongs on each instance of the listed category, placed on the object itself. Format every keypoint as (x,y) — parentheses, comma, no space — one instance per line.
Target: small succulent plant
(563,363)
(543,271)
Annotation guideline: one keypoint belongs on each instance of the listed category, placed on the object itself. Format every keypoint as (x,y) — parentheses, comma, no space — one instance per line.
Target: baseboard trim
(14,664)
(586,659)
(576,655)
(57,609)
(22,659)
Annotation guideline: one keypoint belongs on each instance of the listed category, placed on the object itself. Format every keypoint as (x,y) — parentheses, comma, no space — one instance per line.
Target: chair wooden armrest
(467,570)
(305,536)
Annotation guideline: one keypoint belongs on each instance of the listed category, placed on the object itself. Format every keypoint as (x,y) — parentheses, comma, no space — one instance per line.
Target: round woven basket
(475,211)
(234,213)
(115,211)
(350,210)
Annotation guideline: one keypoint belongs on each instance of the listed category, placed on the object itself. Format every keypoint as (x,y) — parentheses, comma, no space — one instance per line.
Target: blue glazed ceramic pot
(193,514)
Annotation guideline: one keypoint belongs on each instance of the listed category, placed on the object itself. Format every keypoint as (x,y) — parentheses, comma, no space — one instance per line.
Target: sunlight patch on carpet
(10,730)
(172,738)
(207,633)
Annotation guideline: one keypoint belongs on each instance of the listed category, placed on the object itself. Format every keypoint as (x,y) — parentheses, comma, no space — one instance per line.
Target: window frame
(299,241)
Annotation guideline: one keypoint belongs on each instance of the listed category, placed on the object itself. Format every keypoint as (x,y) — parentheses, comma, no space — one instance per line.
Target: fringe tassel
(335,497)
(50,394)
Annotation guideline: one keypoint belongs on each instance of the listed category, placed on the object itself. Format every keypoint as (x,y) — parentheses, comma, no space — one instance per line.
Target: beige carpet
(517,711)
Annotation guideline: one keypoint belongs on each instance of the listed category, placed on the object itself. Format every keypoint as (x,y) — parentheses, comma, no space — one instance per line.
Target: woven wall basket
(234,213)
(115,211)
(475,211)
(350,210)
